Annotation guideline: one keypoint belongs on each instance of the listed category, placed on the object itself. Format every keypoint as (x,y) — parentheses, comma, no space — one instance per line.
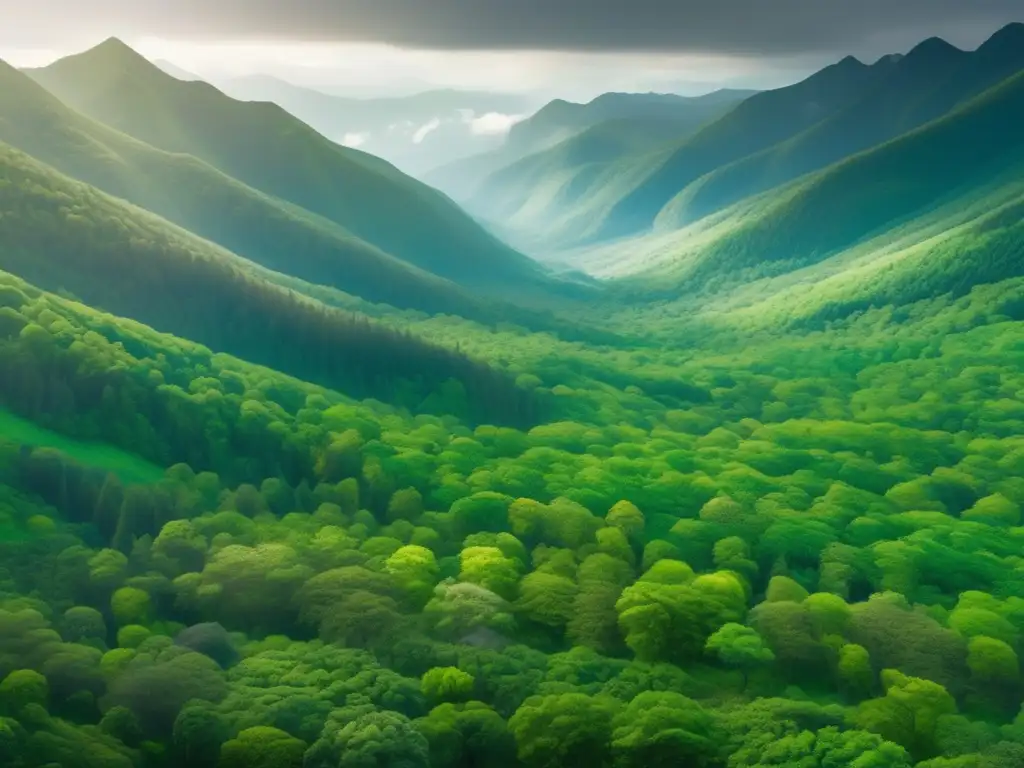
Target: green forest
(302,467)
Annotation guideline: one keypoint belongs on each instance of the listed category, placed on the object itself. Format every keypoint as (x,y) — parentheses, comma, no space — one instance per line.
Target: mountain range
(557,203)
(417,133)
(646,116)
(863,181)
(349,193)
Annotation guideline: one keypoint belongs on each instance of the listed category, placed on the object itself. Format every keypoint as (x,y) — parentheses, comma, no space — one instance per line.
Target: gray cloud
(732,27)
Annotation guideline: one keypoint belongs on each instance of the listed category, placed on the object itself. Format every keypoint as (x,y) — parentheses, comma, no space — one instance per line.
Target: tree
(564,729)
(21,688)
(830,747)
(447,684)
(488,567)
(405,504)
(131,606)
(995,671)
(354,739)
(180,675)
(262,747)
(665,619)
(909,713)
(415,570)
(783,588)
(546,598)
(856,677)
(470,734)
(628,518)
(82,624)
(662,729)
(739,646)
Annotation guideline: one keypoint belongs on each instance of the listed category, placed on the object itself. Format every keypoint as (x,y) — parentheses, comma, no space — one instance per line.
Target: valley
(668,430)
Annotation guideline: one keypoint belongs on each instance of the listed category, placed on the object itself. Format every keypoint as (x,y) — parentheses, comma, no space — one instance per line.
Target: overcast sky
(570,47)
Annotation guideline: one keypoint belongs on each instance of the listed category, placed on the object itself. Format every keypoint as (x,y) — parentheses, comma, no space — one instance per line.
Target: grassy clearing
(127,466)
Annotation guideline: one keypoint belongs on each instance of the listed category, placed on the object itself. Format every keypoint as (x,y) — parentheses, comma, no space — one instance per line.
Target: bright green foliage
(21,688)
(659,728)
(132,636)
(625,516)
(856,677)
(447,684)
(909,713)
(415,569)
(488,567)
(131,606)
(566,729)
(467,734)
(991,661)
(739,646)
(782,588)
(832,747)
(672,621)
(829,613)
(370,739)
(262,747)
(547,598)
(994,510)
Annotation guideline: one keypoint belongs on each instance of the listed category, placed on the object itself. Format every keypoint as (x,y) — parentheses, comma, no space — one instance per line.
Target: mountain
(911,90)
(531,193)
(267,149)
(768,140)
(194,195)
(63,235)
(416,133)
(778,135)
(955,179)
(560,120)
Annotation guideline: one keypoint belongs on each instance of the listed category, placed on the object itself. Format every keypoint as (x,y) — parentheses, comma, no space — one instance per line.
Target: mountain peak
(1010,38)
(933,49)
(850,62)
(114,46)
(113,52)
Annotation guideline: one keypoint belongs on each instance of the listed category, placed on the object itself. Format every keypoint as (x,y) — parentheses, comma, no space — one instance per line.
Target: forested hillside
(766,141)
(547,142)
(64,235)
(912,90)
(264,147)
(873,193)
(196,196)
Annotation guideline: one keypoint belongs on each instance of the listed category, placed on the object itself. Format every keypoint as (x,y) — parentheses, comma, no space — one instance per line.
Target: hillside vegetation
(556,126)
(867,194)
(62,234)
(930,81)
(267,149)
(766,141)
(194,195)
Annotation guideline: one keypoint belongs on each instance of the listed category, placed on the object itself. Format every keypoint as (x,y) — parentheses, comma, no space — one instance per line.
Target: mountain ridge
(263,146)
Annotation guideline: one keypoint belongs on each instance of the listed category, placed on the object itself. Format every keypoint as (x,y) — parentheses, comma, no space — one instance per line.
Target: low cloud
(425,130)
(493,124)
(355,140)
